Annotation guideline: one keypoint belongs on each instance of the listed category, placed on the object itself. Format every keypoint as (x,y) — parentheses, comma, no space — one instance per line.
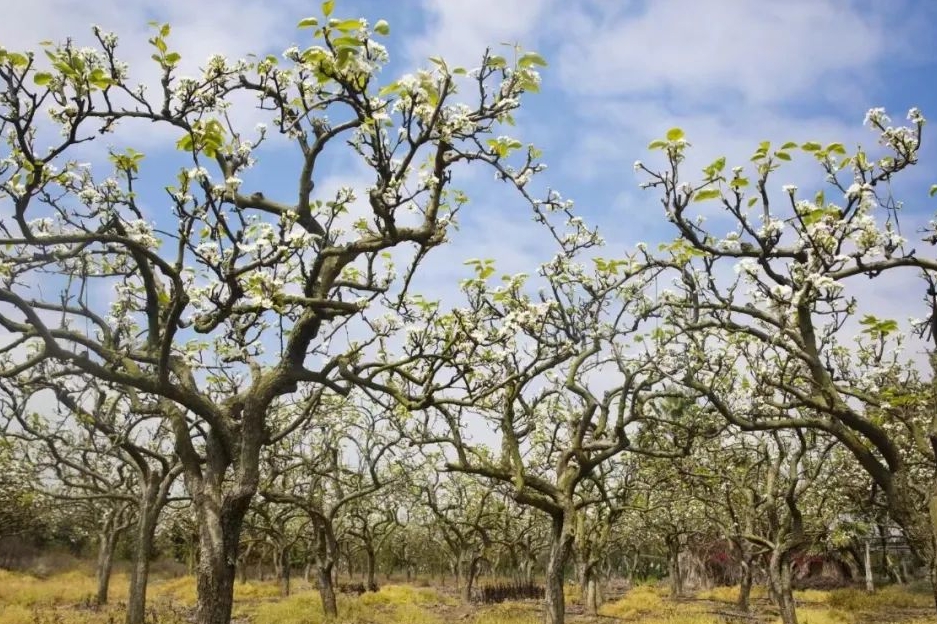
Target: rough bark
(592,597)
(140,574)
(283,570)
(326,590)
(561,545)
(372,569)
(932,509)
(219,534)
(675,572)
(867,559)
(108,540)
(779,575)
(745,588)
(470,574)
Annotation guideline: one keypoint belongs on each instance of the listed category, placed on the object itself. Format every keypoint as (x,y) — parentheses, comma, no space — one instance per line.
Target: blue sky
(730,72)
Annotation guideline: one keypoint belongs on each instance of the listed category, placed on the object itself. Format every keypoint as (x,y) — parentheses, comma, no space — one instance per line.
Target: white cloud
(705,50)
(460,31)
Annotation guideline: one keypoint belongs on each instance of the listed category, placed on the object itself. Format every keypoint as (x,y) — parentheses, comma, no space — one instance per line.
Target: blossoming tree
(781,343)
(233,299)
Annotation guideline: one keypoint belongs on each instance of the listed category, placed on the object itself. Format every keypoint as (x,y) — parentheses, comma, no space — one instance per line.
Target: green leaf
(782,155)
(789,145)
(658,144)
(529,59)
(327,7)
(933,190)
(674,134)
(186,143)
(348,25)
(382,27)
(752,201)
(738,183)
(172,58)
(308,22)
(18,60)
(347,42)
(811,146)
(717,165)
(390,89)
(836,148)
(437,60)
(42,78)
(707,194)
(497,62)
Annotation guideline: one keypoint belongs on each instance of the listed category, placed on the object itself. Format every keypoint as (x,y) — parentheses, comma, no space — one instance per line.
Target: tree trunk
(326,590)
(745,588)
(561,545)
(191,559)
(283,570)
(108,540)
(591,593)
(219,534)
(139,576)
(674,571)
(372,567)
(457,572)
(779,575)
(869,580)
(932,508)
(243,563)
(470,575)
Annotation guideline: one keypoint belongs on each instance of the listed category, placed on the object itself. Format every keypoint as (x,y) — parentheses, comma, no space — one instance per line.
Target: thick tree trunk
(932,508)
(456,572)
(283,570)
(779,575)
(191,559)
(372,569)
(592,597)
(243,563)
(326,590)
(675,572)
(470,575)
(108,540)
(219,534)
(561,544)
(139,576)
(745,588)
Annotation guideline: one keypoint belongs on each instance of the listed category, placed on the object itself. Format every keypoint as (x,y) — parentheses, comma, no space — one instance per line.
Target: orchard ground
(65,598)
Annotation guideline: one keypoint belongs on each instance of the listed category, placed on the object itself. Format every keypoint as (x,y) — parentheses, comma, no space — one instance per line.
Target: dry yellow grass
(509,613)
(66,588)
(820,615)
(730,594)
(886,598)
(651,605)
(63,599)
(394,603)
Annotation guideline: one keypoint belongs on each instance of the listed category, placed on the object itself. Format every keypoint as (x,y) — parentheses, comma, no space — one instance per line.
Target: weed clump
(501,592)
